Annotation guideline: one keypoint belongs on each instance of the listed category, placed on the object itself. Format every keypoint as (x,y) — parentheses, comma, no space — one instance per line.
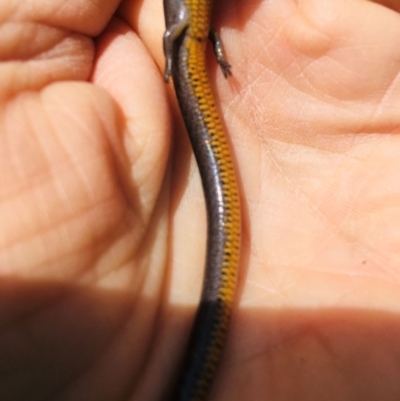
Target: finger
(42,42)
(147,19)
(125,69)
(86,17)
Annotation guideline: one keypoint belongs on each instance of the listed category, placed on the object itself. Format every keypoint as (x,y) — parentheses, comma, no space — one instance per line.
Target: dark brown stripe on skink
(188,27)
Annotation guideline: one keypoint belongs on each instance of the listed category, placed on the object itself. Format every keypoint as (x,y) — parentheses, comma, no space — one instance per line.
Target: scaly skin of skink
(188,29)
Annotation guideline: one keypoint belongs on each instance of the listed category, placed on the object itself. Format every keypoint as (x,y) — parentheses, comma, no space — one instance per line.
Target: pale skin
(102,219)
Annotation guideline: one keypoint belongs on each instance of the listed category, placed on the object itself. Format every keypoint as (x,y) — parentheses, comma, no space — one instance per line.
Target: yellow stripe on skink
(188,27)
(218,142)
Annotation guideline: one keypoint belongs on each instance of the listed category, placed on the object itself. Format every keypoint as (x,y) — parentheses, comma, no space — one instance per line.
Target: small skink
(187,31)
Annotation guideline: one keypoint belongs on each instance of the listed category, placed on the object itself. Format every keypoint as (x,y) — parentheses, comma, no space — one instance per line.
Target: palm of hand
(98,254)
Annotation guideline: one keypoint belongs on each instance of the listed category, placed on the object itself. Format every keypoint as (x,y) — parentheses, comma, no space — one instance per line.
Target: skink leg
(170,35)
(220,53)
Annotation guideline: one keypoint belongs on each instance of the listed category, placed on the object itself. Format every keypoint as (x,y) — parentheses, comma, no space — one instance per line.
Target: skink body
(185,39)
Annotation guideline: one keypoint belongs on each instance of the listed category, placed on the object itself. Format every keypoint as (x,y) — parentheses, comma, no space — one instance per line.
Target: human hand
(84,206)
(102,250)
(314,119)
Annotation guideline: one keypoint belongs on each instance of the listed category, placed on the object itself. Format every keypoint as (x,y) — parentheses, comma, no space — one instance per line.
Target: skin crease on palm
(102,219)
